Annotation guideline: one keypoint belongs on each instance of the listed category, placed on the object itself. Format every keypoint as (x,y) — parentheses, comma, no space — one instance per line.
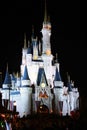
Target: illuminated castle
(39,82)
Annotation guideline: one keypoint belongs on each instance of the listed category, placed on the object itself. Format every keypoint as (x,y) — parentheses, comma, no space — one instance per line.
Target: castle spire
(39,48)
(45,13)
(7,79)
(32,37)
(69,83)
(7,67)
(25,44)
(56,58)
(28,43)
(46,33)
(57,75)
(68,77)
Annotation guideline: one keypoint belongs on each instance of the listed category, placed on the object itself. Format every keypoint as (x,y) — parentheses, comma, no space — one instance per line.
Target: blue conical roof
(13,77)
(25,76)
(57,75)
(7,78)
(41,76)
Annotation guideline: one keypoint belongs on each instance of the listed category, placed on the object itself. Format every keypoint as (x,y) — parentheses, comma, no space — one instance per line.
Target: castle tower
(58,92)
(70,96)
(46,33)
(6,90)
(26,93)
(47,57)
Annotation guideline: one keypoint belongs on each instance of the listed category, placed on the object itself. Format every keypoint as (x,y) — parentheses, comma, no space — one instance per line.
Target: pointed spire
(17,74)
(45,13)
(39,48)
(68,77)
(13,76)
(29,48)
(25,44)
(69,83)
(7,67)
(26,77)
(28,43)
(56,58)
(57,75)
(41,75)
(32,37)
(72,83)
(7,79)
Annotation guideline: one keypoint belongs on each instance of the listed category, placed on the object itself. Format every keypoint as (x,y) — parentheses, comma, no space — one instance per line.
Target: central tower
(46,33)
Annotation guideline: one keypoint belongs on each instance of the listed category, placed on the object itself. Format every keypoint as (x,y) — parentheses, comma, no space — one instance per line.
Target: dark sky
(68,37)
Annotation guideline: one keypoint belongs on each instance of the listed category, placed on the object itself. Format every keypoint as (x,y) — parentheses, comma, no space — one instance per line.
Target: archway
(43,109)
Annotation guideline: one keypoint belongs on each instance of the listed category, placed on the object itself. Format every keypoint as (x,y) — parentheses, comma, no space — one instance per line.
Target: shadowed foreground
(48,122)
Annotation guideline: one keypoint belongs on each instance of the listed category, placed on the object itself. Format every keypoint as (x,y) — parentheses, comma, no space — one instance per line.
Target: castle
(39,82)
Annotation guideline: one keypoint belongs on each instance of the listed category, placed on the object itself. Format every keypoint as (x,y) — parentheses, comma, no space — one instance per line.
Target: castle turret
(75,95)
(6,87)
(7,81)
(58,92)
(26,93)
(70,96)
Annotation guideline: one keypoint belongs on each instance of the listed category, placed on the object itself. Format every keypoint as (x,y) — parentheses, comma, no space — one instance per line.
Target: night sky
(68,37)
